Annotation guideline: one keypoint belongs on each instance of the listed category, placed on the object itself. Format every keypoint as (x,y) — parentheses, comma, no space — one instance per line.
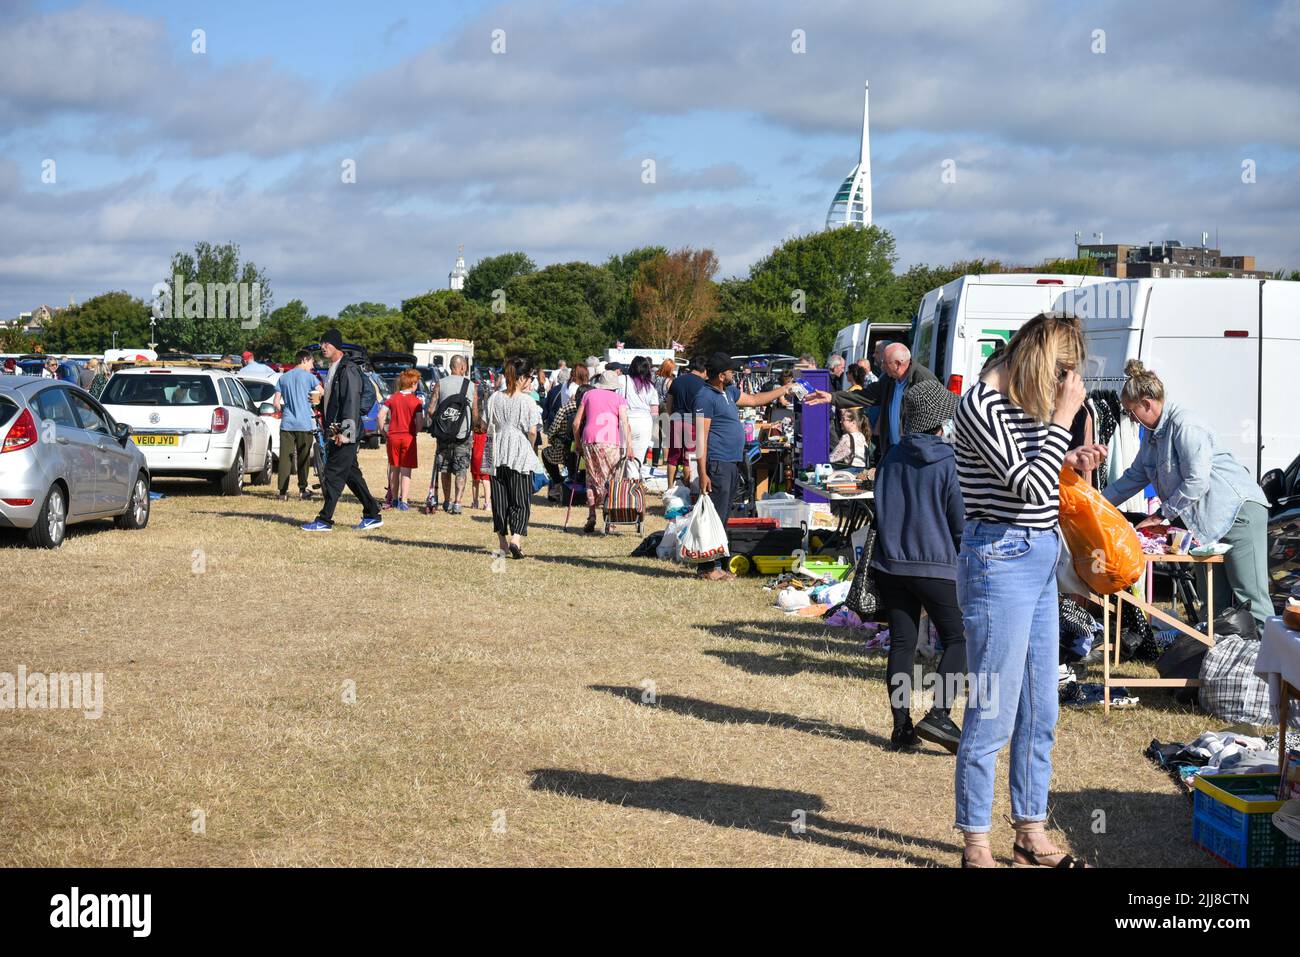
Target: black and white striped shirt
(1008,462)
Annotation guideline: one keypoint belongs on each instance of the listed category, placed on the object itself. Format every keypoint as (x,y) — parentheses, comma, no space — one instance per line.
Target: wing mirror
(122,432)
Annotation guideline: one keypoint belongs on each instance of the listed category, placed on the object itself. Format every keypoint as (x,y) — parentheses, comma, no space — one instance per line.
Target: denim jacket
(1197,480)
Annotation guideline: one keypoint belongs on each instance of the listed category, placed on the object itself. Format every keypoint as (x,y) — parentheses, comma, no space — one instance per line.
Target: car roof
(194,370)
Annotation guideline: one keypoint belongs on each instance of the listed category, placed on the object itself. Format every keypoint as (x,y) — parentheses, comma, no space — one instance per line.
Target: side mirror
(1272,484)
(266,408)
(122,432)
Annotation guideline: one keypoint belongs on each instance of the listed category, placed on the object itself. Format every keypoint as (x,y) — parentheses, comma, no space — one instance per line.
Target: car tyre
(136,515)
(263,476)
(232,482)
(52,522)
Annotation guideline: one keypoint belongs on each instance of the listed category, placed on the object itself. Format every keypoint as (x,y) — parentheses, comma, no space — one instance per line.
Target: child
(852,452)
(479,478)
(403,412)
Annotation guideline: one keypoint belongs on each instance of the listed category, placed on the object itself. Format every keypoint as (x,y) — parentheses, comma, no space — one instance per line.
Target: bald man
(887,393)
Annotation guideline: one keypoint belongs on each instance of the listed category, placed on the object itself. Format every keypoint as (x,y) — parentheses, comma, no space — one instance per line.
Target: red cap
(247,356)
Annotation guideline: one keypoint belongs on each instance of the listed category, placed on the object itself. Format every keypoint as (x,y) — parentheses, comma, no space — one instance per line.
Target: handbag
(864,598)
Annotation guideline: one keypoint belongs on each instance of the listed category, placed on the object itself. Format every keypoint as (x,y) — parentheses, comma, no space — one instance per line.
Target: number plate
(156,439)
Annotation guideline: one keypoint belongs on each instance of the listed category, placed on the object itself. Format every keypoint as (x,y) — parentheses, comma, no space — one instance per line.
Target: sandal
(978,839)
(590,527)
(1033,858)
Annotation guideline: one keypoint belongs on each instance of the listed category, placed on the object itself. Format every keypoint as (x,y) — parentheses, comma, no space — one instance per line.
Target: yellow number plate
(156,439)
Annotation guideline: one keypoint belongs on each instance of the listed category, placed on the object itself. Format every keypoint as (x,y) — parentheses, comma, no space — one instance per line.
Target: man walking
(678,411)
(342,410)
(454,402)
(720,440)
(293,400)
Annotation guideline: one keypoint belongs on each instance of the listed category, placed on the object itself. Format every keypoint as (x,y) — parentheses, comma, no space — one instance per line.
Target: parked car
(262,393)
(65,460)
(193,422)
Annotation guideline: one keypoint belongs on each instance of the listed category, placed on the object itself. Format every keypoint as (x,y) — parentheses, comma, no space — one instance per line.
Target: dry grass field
(499,715)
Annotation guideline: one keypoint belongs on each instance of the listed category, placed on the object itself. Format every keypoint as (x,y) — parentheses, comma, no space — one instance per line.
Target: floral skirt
(602,461)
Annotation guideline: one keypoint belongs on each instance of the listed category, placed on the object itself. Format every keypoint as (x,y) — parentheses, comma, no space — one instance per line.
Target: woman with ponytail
(513,419)
(1012,436)
(1201,486)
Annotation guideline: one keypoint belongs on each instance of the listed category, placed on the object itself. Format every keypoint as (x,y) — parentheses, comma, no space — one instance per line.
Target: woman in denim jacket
(1201,485)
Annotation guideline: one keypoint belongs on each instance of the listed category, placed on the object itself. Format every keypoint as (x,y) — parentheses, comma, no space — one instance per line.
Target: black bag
(367,394)
(1236,622)
(863,598)
(451,418)
(1137,640)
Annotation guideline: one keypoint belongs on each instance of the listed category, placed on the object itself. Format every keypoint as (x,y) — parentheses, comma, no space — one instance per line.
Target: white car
(262,392)
(192,422)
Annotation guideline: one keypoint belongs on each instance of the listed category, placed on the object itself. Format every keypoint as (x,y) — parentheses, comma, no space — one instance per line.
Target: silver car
(64,460)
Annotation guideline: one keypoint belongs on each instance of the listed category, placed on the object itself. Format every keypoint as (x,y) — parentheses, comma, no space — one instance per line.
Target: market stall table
(1279,664)
(1112,639)
(858,515)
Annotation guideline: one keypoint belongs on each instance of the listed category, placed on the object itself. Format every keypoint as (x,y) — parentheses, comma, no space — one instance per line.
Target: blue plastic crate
(1240,838)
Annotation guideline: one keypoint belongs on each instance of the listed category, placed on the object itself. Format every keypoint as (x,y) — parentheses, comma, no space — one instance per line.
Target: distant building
(456,278)
(851,205)
(1169,259)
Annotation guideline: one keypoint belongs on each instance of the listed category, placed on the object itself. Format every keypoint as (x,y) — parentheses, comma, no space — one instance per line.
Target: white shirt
(638,403)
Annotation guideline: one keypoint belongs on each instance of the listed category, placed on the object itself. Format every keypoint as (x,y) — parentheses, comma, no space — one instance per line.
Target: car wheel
(136,515)
(52,523)
(232,483)
(263,476)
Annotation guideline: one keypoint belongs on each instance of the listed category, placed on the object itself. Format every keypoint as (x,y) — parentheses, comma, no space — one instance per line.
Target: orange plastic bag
(1104,547)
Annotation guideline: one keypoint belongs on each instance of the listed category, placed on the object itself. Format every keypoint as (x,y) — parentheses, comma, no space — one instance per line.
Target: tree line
(794,300)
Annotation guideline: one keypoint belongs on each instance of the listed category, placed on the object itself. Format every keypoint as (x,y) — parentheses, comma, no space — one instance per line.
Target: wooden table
(857,515)
(1274,664)
(1113,644)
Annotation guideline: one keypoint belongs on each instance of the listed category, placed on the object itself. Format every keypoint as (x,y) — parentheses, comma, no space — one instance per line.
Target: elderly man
(886,393)
(835,365)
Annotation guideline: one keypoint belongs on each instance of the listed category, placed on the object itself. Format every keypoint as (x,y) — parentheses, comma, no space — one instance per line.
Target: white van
(1227,350)
(957,326)
(858,341)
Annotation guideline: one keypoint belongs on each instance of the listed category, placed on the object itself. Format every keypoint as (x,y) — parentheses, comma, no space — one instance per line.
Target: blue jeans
(1006,585)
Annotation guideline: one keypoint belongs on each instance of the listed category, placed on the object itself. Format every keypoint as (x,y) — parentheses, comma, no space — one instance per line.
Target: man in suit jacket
(341,420)
(887,392)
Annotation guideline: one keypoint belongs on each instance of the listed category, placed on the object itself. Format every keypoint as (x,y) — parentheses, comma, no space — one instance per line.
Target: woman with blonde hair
(1202,486)
(1012,436)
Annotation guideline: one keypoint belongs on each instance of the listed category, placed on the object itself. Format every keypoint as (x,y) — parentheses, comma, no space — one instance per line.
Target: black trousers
(725,477)
(902,599)
(341,470)
(512,501)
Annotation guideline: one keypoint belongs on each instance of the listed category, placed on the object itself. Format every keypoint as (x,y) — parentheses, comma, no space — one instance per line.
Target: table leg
(1105,651)
(1209,600)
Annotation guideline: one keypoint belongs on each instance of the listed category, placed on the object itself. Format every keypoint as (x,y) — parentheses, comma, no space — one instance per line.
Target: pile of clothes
(1215,752)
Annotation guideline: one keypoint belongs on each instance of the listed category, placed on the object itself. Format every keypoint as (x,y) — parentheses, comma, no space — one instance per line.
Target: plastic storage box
(790,512)
(1232,819)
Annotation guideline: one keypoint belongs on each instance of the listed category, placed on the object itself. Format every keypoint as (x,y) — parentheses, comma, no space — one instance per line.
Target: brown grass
(482,696)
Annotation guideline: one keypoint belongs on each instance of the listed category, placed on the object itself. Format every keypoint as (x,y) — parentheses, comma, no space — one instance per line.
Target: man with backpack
(455,403)
(348,398)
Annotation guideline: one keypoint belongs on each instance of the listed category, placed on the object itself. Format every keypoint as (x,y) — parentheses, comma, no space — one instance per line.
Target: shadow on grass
(809,635)
(771,811)
(264,517)
(1114,828)
(793,663)
(728,714)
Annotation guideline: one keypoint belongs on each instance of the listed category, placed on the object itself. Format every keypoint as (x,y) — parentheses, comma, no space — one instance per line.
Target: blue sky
(541,147)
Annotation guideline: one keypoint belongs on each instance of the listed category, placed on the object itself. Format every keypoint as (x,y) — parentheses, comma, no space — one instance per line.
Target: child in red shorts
(404,413)
(478,478)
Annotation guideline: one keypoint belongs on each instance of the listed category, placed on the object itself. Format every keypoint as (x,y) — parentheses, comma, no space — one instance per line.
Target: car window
(258,390)
(241,396)
(8,409)
(227,397)
(159,389)
(91,419)
(52,406)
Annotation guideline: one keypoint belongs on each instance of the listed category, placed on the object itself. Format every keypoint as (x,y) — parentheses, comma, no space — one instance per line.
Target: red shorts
(401,451)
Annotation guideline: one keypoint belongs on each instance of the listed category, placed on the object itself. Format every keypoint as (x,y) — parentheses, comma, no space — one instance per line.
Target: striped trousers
(512,500)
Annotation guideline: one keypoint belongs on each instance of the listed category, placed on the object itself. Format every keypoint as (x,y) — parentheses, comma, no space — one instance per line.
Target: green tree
(287,330)
(675,298)
(624,270)
(15,340)
(1083,266)
(444,314)
(566,308)
(495,272)
(89,327)
(194,323)
(366,310)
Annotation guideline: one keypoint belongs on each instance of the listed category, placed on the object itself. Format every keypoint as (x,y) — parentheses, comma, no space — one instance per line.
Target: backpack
(451,418)
(367,395)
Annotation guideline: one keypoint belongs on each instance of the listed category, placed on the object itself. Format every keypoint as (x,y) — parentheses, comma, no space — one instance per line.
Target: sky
(529,125)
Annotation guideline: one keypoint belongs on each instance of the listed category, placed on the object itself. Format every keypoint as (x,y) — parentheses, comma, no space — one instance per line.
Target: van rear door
(1279,428)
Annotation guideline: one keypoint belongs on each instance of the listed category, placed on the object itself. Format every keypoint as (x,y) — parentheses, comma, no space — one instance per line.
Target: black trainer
(940,729)
(903,739)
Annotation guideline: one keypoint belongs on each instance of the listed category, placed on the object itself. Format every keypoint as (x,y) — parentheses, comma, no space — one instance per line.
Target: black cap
(720,362)
(616,366)
(333,337)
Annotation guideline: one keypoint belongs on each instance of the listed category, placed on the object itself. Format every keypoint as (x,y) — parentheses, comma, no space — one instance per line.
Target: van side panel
(1279,427)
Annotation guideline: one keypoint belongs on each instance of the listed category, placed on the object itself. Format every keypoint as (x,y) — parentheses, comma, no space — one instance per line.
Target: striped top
(1008,462)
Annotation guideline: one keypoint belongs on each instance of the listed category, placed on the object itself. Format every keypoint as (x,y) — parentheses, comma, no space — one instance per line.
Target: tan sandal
(1033,858)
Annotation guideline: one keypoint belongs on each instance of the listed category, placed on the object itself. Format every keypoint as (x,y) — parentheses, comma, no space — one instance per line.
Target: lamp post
(114,338)
(152,344)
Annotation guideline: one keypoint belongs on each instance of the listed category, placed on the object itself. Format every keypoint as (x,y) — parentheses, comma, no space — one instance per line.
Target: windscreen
(169,389)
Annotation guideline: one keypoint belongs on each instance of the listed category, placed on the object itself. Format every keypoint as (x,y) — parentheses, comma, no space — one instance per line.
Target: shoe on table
(368,523)
(317,526)
(940,729)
